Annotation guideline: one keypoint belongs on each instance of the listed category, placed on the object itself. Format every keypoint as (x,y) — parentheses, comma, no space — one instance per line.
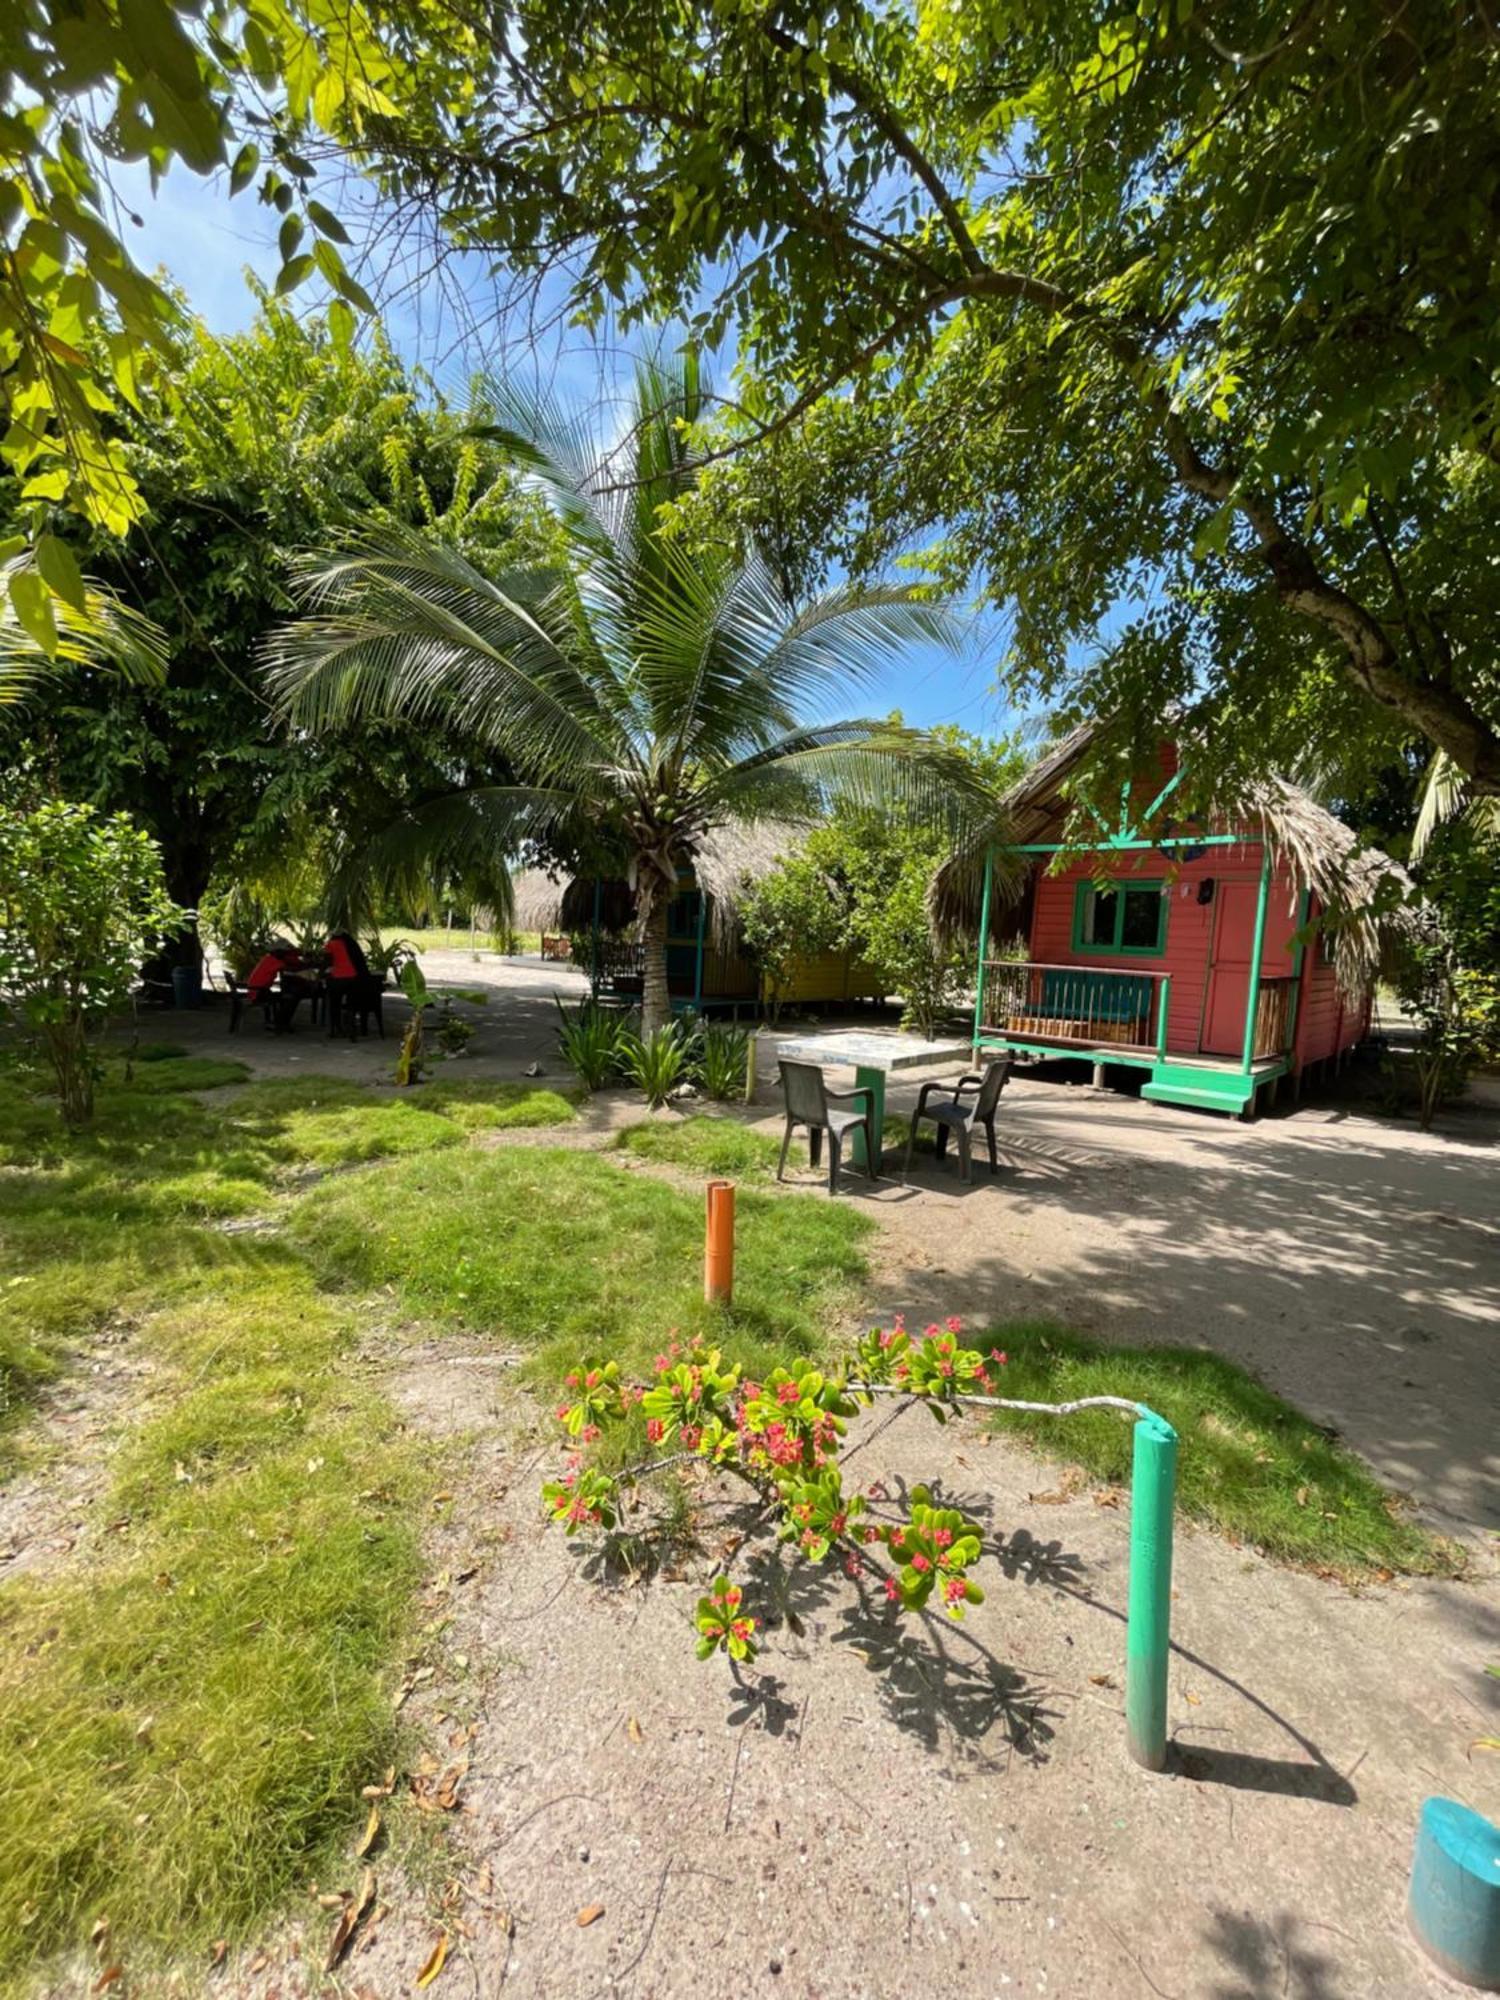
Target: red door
(1229,969)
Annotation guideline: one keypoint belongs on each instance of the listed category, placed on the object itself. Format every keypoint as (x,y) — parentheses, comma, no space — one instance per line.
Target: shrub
(589,1040)
(82,902)
(722,1055)
(659,1062)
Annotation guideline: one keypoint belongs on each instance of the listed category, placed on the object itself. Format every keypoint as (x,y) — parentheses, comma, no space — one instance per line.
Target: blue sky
(206,242)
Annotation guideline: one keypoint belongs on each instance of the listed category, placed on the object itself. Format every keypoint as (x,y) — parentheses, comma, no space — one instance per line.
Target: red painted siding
(1190,933)
(1329,1021)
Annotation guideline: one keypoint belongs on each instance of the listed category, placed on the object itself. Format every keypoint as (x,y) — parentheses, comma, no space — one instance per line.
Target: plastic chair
(810,1102)
(961,1117)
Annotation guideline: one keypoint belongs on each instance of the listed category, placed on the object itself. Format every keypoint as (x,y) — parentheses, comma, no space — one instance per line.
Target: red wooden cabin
(1191,951)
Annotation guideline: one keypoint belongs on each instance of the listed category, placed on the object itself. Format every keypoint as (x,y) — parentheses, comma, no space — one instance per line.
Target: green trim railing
(1076,1006)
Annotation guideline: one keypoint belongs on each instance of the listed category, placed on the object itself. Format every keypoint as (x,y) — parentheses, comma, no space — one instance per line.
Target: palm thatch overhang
(730,862)
(1368,899)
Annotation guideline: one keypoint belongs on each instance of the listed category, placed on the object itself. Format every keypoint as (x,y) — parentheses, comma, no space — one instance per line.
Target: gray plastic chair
(962,1114)
(810,1102)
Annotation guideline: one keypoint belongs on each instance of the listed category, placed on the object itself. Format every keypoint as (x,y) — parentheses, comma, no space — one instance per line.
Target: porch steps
(1202,1089)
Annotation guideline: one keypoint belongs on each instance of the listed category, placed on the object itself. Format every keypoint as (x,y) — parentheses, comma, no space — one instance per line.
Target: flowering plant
(721,1625)
(782,1437)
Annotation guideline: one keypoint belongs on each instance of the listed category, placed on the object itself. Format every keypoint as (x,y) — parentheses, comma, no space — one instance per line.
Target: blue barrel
(187,986)
(1454,1904)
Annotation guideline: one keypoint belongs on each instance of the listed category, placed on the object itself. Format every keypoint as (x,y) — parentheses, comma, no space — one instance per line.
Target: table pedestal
(872,1080)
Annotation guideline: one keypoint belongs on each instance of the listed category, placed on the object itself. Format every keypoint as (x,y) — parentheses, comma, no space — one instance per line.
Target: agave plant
(722,1055)
(647,692)
(589,1040)
(658,1062)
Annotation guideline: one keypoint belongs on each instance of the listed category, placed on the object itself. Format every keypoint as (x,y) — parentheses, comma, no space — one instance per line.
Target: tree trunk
(656,1000)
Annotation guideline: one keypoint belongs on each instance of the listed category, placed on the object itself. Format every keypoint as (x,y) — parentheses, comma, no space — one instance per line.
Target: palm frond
(402,627)
(866,764)
(468,837)
(105,634)
(1445,795)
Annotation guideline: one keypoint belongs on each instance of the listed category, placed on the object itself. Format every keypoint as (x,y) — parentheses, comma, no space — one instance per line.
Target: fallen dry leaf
(634,1731)
(437,1958)
(467,1575)
(106,1979)
(370,1835)
(590,1915)
(1104,1680)
(259,1963)
(99,1933)
(1301,1496)
(484,1882)
(1195,1699)
(382,1790)
(348,1923)
(219,1952)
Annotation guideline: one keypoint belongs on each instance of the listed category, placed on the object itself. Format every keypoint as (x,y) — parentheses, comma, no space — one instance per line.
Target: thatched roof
(730,862)
(1365,893)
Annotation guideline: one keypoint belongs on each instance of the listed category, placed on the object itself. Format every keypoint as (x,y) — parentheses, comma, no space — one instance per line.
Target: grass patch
(564,1252)
(187,1718)
(1249,1464)
(187,1714)
(177,1073)
(481,1105)
(702,1145)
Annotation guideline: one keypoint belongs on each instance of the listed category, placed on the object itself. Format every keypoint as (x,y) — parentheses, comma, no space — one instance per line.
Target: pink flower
(590,1433)
(996,1355)
(870,1535)
(954,1325)
(920,1562)
(955,1590)
(561,1413)
(592,1378)
(690,1436)
(853,1566)
(898,1536)
(742,1628)
(788,1393)
(656,1430)
(572,1380)
(892,1589)
(837,1525)
(943,1537)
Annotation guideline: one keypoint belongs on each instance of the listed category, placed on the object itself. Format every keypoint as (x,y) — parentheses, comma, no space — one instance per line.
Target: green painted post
(1163,1002)
(1153,1483)
(984,943)
(1257,952)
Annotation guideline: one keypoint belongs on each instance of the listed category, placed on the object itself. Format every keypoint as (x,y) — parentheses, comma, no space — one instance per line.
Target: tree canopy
(647,694)
(272,441)
(1172,323)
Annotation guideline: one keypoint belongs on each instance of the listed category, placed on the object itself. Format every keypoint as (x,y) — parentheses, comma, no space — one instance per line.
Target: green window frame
(1085,901)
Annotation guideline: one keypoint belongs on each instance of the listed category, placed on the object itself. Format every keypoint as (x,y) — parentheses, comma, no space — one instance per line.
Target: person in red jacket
(350,981)
(279,960)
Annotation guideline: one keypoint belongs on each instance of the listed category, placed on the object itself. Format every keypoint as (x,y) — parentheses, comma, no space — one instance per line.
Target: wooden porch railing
(1273,1017)
(1075,1006)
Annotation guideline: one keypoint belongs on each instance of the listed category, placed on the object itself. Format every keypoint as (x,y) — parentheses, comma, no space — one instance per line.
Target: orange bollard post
(718,1243)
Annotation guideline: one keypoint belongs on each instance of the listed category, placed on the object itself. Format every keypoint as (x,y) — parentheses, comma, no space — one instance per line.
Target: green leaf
(288,237)
(293,273)
(351,289)
(59,569)
(326,222)
(246,160)
(32,602)
(341,325)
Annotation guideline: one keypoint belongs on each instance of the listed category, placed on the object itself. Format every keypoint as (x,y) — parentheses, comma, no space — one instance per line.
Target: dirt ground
(876,1810)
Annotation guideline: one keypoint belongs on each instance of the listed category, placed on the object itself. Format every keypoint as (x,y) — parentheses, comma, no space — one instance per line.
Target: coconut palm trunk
(656,998)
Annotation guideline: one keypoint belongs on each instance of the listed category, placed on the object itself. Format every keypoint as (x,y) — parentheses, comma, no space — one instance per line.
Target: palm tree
(643,692)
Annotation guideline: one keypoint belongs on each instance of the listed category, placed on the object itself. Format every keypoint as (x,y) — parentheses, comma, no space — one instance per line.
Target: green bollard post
(1153,1484)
